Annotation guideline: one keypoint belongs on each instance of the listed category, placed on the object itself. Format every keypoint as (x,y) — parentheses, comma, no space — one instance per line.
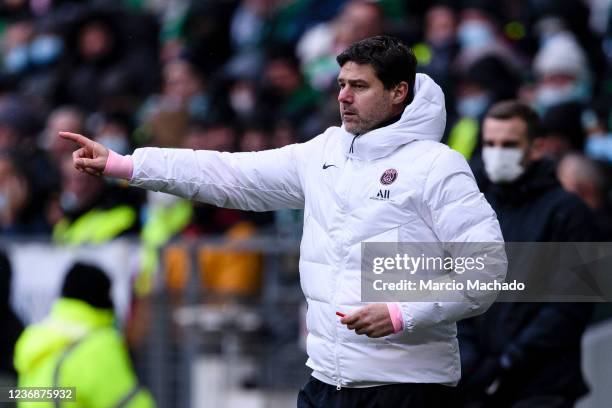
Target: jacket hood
(70,320)
(423,119)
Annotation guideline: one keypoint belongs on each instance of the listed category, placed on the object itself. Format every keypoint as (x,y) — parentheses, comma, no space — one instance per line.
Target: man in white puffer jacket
(382,177)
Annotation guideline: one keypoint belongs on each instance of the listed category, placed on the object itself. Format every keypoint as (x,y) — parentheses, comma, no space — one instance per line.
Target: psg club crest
(388,176)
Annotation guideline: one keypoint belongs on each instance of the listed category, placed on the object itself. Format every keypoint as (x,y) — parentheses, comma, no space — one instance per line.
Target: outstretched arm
(257,181)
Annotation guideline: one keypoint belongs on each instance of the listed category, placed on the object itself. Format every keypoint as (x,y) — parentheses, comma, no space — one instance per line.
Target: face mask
(503,164)
(116,143)
(45,49)
(474,34)
(548,96)
(599,147)
(473,106)
(16,60)
(242,102)
(68,201)
(3,201)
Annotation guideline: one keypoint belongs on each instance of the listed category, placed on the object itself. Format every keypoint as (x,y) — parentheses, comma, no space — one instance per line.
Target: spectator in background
(283,134)
(62,117)
(242,98)
(318,47)
(286,95)
(18,124)
(113,131)
(255,137)
(101,64)
(206,33)
(15,46)
(584,177)
(14,8)
(440,47)
(597,123)
(513,355)
(34,63)
(18,127)
(485,82)
(165,117)
(89,211)
(562,132)
(479,34)
(562,72)
(248,32)
(78,346)
(21,211)
(10,326)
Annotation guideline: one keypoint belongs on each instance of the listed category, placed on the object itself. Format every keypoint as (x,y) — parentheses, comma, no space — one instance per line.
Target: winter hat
(561,54)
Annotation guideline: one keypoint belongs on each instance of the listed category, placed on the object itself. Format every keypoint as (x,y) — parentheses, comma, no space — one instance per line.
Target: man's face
(505,133)
(364,101)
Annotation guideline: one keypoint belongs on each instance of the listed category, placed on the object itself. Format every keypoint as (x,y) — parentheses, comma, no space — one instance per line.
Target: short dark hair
(88,283)
(392,60)
(511,109)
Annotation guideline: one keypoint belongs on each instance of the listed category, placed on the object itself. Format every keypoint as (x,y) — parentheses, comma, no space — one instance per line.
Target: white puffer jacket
(433,198)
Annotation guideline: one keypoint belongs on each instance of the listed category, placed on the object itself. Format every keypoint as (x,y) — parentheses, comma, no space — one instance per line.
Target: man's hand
(372,320)
(91,157)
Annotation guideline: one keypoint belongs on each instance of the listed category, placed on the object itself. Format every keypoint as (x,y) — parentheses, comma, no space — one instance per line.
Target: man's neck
(389,121)
(384,123)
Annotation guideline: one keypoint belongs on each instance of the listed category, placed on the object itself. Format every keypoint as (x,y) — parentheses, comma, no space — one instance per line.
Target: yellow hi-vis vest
(95,226)
(77,346)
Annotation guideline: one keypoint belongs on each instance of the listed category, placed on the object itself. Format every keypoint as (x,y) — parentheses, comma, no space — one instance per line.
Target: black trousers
(317,394)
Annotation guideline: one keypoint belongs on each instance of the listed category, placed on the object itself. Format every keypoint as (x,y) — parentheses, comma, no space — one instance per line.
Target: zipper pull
(338,386)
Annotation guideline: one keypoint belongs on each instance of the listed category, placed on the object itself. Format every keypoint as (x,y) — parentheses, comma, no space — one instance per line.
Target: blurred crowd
(246,75)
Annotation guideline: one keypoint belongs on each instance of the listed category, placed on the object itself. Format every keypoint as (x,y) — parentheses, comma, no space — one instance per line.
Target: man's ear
(399,93)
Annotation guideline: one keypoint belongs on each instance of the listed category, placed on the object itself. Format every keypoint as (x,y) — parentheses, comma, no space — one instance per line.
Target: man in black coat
(10,326)
(525,354)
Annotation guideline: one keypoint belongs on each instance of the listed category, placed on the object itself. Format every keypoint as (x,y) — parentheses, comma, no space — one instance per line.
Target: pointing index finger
(75,137)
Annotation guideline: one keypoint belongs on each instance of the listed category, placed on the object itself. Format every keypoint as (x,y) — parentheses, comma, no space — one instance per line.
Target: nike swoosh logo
(326,166)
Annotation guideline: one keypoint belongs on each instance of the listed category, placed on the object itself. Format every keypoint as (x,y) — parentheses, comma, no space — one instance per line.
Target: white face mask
(503,164)
(547,96)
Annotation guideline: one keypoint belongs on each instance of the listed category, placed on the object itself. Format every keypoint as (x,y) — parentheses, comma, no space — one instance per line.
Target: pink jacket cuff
(119,166)
(396,317)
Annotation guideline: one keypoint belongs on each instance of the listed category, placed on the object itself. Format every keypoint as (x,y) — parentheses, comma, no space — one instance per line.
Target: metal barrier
(197,347)
(212,347)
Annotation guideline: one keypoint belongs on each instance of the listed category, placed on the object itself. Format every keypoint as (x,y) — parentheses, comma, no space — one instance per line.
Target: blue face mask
(46,49)
(599,147)
(474,34)
(116,143)
(16,60)
(473,106)
(548,96)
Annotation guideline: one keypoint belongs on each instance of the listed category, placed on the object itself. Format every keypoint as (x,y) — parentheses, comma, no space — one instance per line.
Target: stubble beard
(360,125)
(356,126)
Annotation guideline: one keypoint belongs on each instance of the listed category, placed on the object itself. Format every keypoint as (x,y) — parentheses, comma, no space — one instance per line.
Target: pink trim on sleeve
(396,317)
(119,166)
